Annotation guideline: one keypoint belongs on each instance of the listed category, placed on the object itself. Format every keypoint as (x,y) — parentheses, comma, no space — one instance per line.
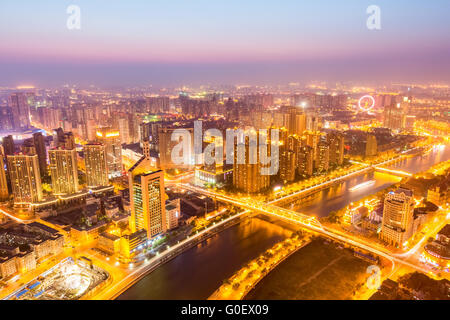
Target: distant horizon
(172,42)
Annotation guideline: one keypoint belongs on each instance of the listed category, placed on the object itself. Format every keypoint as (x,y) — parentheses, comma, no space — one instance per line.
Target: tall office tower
(397,224)
(336,143)
(8,145)
(147,199)
(166,146)
(110,138)
(247,176)
(41,151)
(371,145)
(323,157)
(4,192)
(96,165)
(395,116)
(20,110)
(25,179)
(64,171)
(305,161)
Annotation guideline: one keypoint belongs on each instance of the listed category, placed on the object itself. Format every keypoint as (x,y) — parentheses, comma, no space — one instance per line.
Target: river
(198,272)
(339,195)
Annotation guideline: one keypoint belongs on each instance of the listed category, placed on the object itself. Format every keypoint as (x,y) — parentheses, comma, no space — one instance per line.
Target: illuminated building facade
(305,161)
(111,140)
(395,116)
(173,213)
(247,176)
(147,200)
(8,145)
(336,143)
(64,171)
(398,213)
(96,165)
(25,179)
(4,193)
(166,146)
(323,157)
(41,151)
(20,110)
(371,145)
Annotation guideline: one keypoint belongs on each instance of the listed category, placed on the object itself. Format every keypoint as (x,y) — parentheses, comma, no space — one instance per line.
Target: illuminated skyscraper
(395,116)
(288,156)
(96,166)
(305,161)
(64,171)
(371,145)
(398,217)
(147,199)
(25,179)
(247,176)
(8,145)
(323,157)
(110,138)
(336,142)
(20,110)
(4,193)
(41,151)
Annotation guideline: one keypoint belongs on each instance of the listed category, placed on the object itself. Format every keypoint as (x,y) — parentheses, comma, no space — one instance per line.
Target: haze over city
(221,42)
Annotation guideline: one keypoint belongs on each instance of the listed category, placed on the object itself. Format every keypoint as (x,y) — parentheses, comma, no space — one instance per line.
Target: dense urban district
(95,203)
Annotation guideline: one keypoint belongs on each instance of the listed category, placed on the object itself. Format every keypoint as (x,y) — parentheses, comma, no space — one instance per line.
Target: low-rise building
(108,242)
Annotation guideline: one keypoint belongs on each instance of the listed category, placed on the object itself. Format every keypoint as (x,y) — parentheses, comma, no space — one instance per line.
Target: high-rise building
(63,139)
(288,156)
(147,200)
(395,116)
(292,118)
(25,179)
(8,145)
(96,165)
(4,192)
(110,138)
(371,145)
(323,157)
(64,171)
(20,110)
(398,215)
(41,151)
(247,176)
(166,146)
(312,140)
(305,161)
(28,147)
(336,143)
